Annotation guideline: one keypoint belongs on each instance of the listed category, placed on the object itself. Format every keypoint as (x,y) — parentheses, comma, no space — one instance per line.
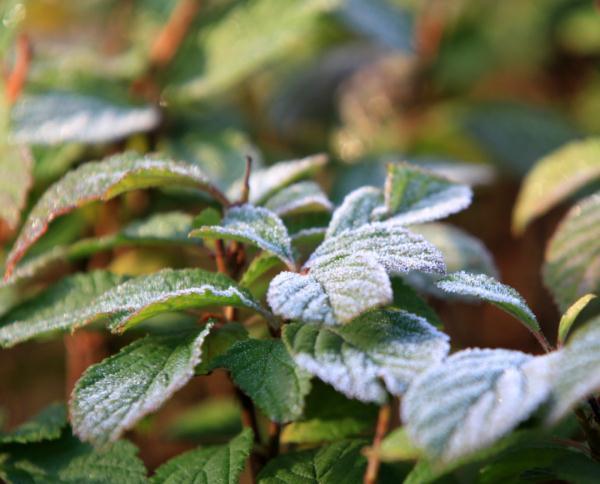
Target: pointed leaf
(576,375)
(253,225)
(489,289)
(572,265)
(472,399)
(556,177)
(265,371)
(56,117)
(356,210)
(113,395)
(46,425)
(259,266)
(299,198)
(16,167)
(330,464)
(102,181)
(378,351)
(223,463)
(568,319)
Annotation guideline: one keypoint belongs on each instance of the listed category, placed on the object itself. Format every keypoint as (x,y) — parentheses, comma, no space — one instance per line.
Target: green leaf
(46,425)
(102,181)
(572,263)
(378,351)
(356,210)
(490,290)
(568,319)
(407,299)
(299,198)
(57,308)
(266,182)
(57,117)
(556,177)
(576,374)
(223,463)
(68,461)
(397,446)
(259,266)
(265,371)
(414,195)
(113,395)
(253,225)
(218,342)
(473,399)
(330,464)
(16,179)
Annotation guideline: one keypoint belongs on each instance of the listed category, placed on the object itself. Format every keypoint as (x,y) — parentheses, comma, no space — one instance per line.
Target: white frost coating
(355,210)
(299,198)
(467,173)
(57,118)
(485,394)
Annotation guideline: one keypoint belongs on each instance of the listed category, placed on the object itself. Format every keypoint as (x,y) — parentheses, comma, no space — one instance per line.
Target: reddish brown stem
(246,185)
(383,422)
(18,75)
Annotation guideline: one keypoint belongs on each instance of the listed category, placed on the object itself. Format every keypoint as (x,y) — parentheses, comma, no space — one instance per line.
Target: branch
(383,421)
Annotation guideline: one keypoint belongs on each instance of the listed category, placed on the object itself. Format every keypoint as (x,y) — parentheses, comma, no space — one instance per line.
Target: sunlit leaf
(16,167)
(568,319)
(299,198)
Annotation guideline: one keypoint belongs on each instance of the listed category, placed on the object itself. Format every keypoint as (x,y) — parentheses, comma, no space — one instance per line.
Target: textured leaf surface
(407,299)
(568,319)
(218,342)
(60,117)
(489,289)
(68,461)
(57,308)
(253,225)
(114,394)
(222,464)
(265,371)
(102,181)
(556,177)
(16,167)
(485,394)
(259,266)
(577,374)
(46,425)
(299,198)
(378,351)
(572,265)
(356,210)
(331,464)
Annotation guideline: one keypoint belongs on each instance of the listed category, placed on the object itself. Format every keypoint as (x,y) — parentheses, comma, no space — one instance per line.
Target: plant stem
(249,421)
(274,435)
(383,421)
(18,75)
(541,339)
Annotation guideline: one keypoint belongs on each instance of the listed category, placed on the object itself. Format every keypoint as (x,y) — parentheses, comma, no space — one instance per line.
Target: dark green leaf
(46,425)
(218,342)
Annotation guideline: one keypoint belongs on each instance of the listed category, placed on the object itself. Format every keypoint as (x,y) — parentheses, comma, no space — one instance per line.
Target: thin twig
(541,339)
(274,436)
(246,185)
(220,257)
(249,421)
(18,75)
(383,421)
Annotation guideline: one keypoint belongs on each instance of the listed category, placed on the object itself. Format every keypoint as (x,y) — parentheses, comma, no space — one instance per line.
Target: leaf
(407,299)
(472,399)
(253,225)
(266,182)
(102,181)
(572,262)
(567,320)
(57,308)
(218,342)
(356,210)
(113,395)
(556,177)
(378,351)
(16,165)
(414,195)
(259,266)
(223,463)
(264,370)
(299,198)
(57,117)
(490,290)
(397,446)
(68,461)
(46,425)
(576,375)
(331,464)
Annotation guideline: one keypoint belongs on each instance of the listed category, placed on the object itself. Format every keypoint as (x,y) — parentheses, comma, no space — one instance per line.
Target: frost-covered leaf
(568,319)
(378,351)
(218,342)
(102,181)
(265,371)
(116,393)
(57,117)
(259,266)
(299,198)
(572,262)
(46,425)
(556,177)
(576,374)
(266,182)
(407,299)
(414,195)
(68,461)
(16,167)
(253,225)
(331,464)
(223,463)
(474,398)
(57,308)
(490,290)
(356,210)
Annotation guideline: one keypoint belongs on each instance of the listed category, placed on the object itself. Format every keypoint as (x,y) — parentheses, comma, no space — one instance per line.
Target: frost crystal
(356,210)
